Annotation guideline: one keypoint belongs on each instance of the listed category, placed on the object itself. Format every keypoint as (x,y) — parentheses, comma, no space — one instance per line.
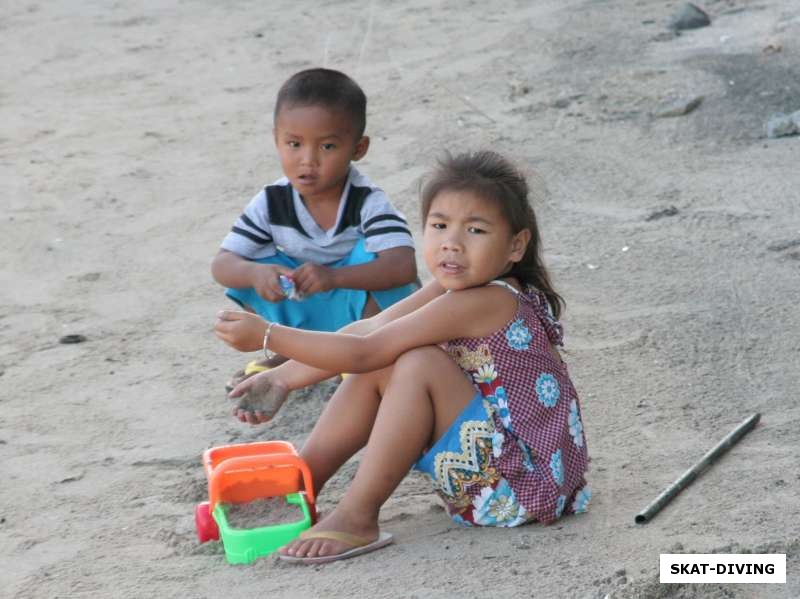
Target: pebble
(689,17)
(678,107)
(68,339)
(782,125)
(656,214)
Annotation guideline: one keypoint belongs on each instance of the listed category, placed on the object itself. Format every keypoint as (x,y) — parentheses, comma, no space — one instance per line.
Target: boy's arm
(391,268)
(231,270)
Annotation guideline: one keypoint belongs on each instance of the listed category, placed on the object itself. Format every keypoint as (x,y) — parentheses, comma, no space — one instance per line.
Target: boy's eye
(476,230)
(293,144)
(328,146)
(438,226)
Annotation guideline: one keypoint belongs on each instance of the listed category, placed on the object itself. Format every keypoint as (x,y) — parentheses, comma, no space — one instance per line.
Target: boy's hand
(258,398)
(314,278)
(241,330)
(265,281)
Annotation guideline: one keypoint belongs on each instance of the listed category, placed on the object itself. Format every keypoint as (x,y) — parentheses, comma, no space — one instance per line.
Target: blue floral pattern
(547,389)
(562,499)
(527,456)
(498,507)
(582,498)
(575,424)
(497,443)
(499,401)
(518,335)
(557,467)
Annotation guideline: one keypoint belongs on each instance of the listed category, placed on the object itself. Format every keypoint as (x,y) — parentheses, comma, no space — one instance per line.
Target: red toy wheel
(205,524)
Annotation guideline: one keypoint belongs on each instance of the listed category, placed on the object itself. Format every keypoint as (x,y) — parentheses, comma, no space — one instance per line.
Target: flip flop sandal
(250,369)
(360,546)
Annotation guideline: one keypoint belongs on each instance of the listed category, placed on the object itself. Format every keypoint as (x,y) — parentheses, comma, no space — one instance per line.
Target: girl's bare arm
(296,375)
(468,313)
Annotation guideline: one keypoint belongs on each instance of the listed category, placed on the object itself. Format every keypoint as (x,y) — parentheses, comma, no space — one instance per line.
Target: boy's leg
(425,394)
(371,308)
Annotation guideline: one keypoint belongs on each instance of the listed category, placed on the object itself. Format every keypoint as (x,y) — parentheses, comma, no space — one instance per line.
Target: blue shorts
(325,311)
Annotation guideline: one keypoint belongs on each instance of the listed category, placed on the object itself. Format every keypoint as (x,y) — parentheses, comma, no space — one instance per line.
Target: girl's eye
(293,144)
(439,226)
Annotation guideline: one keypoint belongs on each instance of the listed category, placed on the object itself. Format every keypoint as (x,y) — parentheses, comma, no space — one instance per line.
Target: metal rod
(687,477)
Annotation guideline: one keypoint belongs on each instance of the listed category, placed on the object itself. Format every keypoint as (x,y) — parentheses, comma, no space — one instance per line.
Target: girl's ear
(362,145)
(519,243)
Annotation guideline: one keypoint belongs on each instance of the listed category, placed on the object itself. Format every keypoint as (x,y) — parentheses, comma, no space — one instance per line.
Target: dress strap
(500,283)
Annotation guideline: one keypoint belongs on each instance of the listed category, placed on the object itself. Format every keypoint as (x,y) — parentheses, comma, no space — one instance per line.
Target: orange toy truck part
(242,473)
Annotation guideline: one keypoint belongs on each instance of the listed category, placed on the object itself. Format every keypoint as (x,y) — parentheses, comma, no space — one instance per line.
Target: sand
(132,135)
(267,511)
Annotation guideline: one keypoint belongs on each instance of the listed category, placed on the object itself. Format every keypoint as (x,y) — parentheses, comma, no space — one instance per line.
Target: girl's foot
(338,521)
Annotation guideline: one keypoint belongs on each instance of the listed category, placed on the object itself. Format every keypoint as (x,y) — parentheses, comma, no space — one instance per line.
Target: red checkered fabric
(543,454)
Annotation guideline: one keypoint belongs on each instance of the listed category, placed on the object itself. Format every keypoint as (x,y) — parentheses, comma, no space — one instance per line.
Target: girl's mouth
(451,268)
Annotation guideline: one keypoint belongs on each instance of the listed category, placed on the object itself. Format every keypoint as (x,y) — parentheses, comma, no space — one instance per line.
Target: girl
(461,380)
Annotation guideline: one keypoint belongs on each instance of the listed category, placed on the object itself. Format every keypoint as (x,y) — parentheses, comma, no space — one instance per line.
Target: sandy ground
(133,133)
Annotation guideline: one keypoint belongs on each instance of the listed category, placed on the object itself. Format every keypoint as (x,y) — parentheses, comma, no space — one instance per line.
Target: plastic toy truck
(246,472)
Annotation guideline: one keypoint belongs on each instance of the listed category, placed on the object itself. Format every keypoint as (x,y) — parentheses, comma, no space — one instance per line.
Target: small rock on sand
(689,17)
(782,125)
(678,107)
(661,213)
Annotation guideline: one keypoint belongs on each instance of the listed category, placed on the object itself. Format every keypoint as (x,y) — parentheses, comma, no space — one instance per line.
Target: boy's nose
(309,157)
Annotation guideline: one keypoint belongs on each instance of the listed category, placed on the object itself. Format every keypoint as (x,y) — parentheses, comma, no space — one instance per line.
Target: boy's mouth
(307,178)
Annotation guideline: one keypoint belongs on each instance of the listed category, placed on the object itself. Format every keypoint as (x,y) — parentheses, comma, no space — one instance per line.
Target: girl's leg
(424,395)
(344,425)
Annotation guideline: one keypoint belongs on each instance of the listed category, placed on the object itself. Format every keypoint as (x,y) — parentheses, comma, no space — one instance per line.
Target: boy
(323,225)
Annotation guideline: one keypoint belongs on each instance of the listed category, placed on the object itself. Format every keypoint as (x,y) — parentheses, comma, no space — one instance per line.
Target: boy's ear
(519,243)
(362,145)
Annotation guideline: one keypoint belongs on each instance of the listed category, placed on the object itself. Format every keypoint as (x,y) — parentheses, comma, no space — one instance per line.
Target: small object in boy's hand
(289,290)
(72,339)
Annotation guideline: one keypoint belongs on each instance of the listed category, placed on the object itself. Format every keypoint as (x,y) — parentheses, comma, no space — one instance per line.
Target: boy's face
(316,145)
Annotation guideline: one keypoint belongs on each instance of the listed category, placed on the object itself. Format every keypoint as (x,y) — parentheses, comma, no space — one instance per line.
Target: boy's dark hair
(328,88)
(489,175)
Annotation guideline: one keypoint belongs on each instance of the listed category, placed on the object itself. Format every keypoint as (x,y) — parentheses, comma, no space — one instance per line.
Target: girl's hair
(490,176)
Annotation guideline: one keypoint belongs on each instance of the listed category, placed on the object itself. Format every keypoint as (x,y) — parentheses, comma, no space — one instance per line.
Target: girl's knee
(425,357)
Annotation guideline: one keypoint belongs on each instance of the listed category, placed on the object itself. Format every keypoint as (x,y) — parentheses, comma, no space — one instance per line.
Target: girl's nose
(452,244)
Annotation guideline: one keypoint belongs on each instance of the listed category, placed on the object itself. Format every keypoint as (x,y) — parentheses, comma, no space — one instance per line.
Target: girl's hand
(241,330)
(258,398)
(313,278)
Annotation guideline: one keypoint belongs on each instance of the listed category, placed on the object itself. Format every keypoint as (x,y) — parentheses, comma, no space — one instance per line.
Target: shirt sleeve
(382,226)
(251,234)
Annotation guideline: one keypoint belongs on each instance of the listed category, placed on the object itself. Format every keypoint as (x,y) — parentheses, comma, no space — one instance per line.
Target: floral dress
(517,452)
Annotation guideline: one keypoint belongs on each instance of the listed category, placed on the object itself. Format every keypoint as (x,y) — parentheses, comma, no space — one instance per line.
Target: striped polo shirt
(276,219)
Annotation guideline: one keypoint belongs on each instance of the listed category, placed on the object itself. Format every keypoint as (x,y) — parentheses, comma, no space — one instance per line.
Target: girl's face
(467,241)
